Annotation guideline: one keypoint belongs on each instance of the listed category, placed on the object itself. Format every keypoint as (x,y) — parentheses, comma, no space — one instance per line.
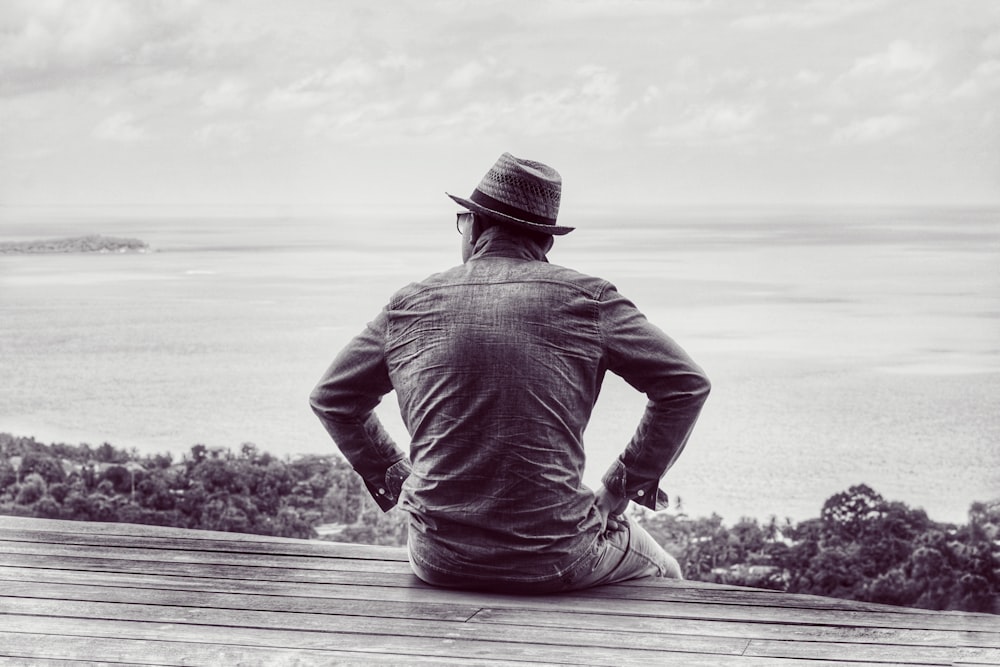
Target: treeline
(208,489)
(862,546)
(91,243)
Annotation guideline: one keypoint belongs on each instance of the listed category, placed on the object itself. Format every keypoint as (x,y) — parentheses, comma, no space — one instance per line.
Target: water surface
(844,345)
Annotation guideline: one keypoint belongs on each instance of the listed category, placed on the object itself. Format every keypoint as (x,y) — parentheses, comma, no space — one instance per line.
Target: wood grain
(102,593)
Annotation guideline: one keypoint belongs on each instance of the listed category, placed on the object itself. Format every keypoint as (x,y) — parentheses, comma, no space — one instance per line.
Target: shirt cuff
(645,493)
(386,490)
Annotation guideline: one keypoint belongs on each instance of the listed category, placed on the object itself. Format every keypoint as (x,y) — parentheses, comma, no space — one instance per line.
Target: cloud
(807,77)
(363,121)
(227,96)
(589,103)
(325,85)
(351,72)
(715,123)
(400,62)
(815,14)
(592,107)
(234,135)
(568,10)
(900,57)
(120,127)
(982,81)
(307,92)
(991,45)
(466,75)
(70,36)
(598,82)
(873,129)
(46,33)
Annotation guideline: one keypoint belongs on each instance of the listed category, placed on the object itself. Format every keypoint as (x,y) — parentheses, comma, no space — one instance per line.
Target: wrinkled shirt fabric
(497,365)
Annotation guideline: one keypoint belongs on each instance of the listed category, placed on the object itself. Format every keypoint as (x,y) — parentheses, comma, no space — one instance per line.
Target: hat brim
(555,230)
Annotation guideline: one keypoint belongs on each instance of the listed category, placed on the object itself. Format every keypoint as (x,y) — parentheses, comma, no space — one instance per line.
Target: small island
(93,243)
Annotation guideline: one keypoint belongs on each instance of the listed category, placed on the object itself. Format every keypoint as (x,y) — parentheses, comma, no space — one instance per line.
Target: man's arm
(675,385)
(344,401)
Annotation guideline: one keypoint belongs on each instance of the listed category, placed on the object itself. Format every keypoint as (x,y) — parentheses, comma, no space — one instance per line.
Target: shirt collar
(495,243)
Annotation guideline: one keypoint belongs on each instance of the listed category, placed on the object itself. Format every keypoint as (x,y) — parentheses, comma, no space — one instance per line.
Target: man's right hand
(612,507)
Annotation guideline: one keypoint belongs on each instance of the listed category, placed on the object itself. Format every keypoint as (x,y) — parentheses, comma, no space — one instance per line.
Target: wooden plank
(96,586)
(197,568)
(134,535)
(781,631)
(316,548)
(47,648)
(699,591)
(11,548)
(665,591)
(51,662)
(889,653)
(138,535)
(389,587)
(668,591)
(105,528)
(695,591)
(446,647)
(179,591)
(245,586)
(330,556)
(106,533)
(197,645)
(290,587)
(383,610)
(339,585)
(286,603)
(315,597)
(71,612)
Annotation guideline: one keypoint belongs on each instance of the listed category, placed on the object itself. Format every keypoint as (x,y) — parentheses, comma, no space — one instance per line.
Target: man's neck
(497,241)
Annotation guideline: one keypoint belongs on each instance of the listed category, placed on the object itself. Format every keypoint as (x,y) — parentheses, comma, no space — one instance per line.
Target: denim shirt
(497,365)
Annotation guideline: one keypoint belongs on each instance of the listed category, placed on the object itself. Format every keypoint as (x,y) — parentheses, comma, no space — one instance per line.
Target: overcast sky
(329,103)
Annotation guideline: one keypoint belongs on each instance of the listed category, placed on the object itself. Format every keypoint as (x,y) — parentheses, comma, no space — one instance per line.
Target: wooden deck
(117,593)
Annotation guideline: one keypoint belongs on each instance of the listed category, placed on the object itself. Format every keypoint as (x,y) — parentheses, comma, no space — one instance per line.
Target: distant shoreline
(91,243)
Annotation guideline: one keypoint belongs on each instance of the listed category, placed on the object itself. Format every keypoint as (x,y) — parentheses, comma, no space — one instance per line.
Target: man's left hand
(611,507)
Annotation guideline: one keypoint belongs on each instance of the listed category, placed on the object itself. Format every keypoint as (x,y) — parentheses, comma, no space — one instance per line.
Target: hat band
(483,199)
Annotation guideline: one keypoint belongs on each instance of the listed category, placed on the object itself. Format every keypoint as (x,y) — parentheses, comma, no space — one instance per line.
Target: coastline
(90,243)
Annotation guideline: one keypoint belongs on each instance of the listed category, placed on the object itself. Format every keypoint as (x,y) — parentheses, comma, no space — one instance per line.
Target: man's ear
(478,226)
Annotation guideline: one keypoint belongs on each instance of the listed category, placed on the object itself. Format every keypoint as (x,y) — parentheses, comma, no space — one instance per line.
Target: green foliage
(211,489)
(862,546)
(31,490)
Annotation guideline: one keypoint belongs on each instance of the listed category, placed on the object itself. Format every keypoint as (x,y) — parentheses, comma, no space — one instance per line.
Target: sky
(312,104)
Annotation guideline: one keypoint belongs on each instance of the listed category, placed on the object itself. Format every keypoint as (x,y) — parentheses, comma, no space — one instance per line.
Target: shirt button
(381,492)
(640,493)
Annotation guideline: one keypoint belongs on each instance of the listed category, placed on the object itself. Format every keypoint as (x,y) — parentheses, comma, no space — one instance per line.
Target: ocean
(845,345)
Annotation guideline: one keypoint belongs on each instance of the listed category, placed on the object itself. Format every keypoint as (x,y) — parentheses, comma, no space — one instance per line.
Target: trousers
(624,551)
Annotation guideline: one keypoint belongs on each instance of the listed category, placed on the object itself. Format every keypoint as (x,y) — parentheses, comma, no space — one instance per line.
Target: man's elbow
(319,401)
(700,387)
(333,405)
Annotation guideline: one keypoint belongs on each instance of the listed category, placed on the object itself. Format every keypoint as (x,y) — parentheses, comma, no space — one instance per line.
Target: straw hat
(520,192)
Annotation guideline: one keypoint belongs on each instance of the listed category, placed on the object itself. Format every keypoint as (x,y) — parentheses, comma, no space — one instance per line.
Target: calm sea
(845,346)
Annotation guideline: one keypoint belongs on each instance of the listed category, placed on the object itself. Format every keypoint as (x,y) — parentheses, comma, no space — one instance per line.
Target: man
(497,364)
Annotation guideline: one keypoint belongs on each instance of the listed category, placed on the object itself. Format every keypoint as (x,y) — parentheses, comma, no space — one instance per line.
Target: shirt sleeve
(651,362)
(345,399)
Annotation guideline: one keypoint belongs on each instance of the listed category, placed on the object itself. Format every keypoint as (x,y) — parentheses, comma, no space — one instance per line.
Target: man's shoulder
(584,281)
(464,274)
(437,279)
